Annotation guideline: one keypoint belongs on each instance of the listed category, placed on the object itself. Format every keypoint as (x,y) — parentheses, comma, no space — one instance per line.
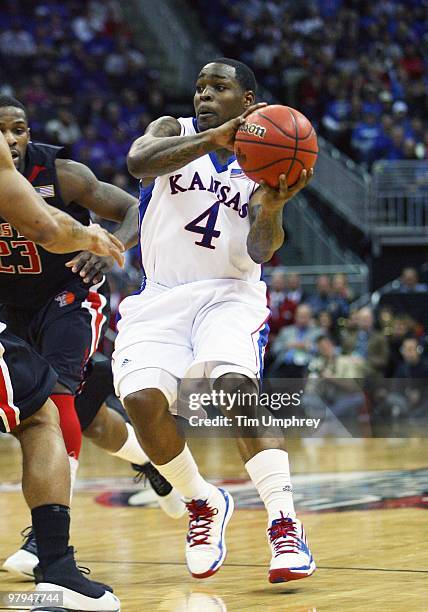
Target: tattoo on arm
(161,150)
(266,234)
(174,153)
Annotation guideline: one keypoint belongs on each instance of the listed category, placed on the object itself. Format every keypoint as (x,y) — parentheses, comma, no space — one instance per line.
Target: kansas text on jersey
(194,222)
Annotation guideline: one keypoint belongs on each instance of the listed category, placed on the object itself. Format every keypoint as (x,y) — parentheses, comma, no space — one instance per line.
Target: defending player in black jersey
(58,312)
(26,381)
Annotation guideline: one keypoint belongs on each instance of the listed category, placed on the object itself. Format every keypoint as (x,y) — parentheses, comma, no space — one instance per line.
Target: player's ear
(249,98)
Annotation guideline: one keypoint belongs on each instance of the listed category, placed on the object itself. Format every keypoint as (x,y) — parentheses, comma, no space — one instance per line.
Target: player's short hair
(244,75)
(10,101)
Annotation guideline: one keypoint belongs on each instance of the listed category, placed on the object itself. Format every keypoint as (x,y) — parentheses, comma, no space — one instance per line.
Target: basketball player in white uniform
(205,230)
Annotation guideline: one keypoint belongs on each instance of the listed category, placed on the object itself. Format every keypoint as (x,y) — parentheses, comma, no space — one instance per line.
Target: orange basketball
(276,140)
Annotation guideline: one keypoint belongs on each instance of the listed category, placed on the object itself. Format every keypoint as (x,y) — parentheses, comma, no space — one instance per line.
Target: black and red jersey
(30,275)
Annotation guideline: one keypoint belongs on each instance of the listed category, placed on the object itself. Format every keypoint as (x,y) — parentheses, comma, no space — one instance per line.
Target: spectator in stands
(351,323)
(343,63)
(409,282)
(327,325)
(414,365)
(282,309)
(295,292)
(321,300)
(368,344)
(365,138)
(340,287)
(329,363)
(17,42)
(400,330)
(385,320)
(63,129)
(340,297)
(408,394)
(294,344)
(334,383)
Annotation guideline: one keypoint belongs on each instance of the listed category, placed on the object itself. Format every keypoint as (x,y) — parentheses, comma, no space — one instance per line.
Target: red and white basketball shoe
(208,519)
(291,556)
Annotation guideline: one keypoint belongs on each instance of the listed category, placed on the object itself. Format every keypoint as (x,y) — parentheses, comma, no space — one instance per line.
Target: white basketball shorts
(205,328)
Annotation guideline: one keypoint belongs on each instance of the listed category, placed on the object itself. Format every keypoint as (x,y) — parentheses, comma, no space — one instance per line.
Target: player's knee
(231,382)
(95,430)
(147,405)
(47,416)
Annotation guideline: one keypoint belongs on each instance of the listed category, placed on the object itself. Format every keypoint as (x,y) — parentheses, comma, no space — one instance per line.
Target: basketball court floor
(364,504)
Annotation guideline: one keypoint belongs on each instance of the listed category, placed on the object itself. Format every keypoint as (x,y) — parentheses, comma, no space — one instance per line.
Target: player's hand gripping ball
(276,140)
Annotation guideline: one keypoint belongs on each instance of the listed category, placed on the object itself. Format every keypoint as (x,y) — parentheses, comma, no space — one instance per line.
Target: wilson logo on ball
(253,128)
(276,140)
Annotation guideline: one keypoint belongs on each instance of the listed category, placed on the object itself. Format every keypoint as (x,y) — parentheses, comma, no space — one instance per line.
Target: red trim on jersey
(35,172)
(5,399)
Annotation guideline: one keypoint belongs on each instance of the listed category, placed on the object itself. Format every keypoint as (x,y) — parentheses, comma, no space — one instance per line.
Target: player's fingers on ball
(265,186)
(302,179)
(283,187)
(310,175)
(253,108)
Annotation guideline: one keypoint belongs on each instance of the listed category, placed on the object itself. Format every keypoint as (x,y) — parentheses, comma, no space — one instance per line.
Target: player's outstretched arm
(23,208)
(266,205)
(162,150)
(20,205)
(73,236)
(79,184)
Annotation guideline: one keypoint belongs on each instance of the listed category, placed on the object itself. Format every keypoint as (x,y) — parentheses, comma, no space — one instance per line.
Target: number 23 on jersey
(20,249)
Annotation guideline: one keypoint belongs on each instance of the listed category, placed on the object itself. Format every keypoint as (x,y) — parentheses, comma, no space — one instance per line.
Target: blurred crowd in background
(85,84)
(356,68)
(301,323)
(354,359)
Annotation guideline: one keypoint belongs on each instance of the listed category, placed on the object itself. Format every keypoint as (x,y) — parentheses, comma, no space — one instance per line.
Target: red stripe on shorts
(5,399)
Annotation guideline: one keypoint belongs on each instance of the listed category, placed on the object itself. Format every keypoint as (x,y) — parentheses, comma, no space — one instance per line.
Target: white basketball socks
(270,472)
(182,472)
(131,451)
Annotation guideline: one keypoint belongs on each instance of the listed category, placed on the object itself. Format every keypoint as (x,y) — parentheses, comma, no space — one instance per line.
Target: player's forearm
(152,156)
(128,230)
(266,235)
(23,208)
(69,235)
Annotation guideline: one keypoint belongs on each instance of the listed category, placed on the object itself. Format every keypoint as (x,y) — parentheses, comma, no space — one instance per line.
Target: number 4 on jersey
(207,231)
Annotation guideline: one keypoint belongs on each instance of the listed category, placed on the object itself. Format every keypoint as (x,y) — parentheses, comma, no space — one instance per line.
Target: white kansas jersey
(194,222)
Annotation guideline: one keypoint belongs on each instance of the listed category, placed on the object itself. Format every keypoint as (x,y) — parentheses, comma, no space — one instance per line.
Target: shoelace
(27,533)
(140,477)
(283,536)
(200,519)
(148,473)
